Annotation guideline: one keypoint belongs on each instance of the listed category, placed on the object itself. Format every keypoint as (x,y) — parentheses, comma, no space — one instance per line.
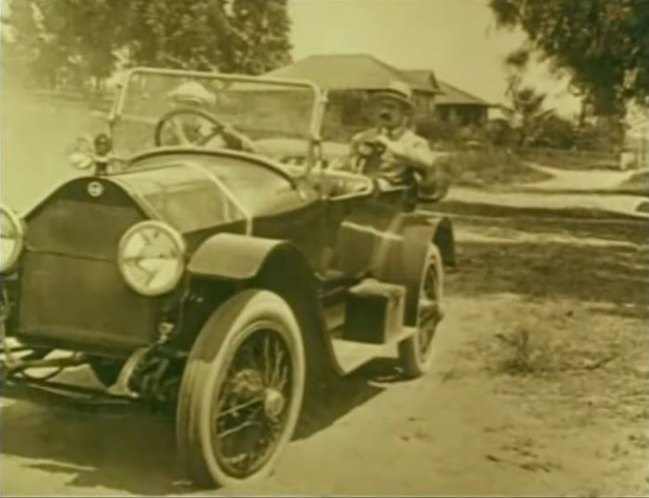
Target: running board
(350,355)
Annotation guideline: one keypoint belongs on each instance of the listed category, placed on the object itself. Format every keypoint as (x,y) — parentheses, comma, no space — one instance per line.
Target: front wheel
(415,353)
(241,391)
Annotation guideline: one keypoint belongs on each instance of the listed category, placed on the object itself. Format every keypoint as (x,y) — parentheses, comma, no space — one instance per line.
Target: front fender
(443,235)
(275,265)
(231,256)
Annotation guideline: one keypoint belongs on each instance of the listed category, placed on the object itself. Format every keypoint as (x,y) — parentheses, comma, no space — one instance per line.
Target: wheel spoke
(277,364)
(283,379)
(238,428)
(267,361)
(239,407)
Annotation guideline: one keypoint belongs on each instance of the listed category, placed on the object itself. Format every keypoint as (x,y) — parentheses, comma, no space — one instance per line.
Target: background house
(451,103)
(461,106)
(350,79)
(360,72)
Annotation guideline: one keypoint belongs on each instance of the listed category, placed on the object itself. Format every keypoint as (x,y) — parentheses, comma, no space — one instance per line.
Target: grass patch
(520,355)
(487,168)
(573,161)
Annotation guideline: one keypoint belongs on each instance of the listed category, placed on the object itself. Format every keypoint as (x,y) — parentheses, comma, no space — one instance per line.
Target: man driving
(198,130)
(390,151)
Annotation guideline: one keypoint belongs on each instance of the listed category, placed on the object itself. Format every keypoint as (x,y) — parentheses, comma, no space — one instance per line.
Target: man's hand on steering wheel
(368,155)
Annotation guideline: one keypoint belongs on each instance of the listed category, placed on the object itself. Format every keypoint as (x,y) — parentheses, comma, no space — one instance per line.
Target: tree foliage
(248,36)
(604,44)
(262,43)
(527,105)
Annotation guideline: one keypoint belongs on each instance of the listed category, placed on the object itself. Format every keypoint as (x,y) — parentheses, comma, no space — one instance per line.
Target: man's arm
(238,141)
(417,153)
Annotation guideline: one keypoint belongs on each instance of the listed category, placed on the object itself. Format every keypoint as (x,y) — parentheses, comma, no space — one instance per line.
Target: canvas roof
(351,72)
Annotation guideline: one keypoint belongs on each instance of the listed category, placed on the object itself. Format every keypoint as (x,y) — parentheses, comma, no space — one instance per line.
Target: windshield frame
(317,111)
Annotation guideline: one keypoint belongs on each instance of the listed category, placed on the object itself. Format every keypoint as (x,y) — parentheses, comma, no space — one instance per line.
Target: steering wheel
(172,118)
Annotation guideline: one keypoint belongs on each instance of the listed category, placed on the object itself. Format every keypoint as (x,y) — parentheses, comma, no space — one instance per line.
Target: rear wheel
(415,353)
(241,391)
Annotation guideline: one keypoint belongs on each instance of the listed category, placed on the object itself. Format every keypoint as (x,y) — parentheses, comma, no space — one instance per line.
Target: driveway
(586,181)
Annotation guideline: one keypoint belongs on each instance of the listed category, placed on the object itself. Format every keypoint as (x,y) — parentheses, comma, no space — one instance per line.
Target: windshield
(265,111)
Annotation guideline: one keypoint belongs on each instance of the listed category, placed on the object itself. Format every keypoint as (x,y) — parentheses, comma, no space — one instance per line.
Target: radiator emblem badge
(95,189)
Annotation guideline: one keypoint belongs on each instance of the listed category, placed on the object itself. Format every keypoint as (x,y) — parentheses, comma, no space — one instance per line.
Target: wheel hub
(274,403)
(247,384)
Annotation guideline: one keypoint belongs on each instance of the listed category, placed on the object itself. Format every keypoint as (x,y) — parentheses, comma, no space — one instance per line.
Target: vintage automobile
(219,281)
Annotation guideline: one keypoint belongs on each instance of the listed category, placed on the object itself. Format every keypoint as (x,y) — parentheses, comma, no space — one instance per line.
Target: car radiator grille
(71,291)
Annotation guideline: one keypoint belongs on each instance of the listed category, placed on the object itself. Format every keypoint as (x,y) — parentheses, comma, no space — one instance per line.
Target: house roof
(350,72)
(452,95)
(424,77)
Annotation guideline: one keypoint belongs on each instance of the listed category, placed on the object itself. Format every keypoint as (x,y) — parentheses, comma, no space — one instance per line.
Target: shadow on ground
(116,449)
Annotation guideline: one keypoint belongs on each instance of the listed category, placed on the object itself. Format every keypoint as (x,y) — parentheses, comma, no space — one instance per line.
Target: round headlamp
(151,257)
(12,237)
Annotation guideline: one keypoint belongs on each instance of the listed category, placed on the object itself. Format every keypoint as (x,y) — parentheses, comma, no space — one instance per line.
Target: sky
(457,39)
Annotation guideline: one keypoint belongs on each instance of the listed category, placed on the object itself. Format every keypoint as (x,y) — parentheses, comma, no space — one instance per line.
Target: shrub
(487,167)
(524,354)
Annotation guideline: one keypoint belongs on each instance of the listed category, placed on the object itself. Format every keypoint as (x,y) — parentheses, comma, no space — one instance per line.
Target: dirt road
(565,413)
(585,181)
(540,384)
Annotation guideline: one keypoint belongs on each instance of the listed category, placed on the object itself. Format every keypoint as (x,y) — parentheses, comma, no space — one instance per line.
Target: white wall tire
(251,322)
(416,352)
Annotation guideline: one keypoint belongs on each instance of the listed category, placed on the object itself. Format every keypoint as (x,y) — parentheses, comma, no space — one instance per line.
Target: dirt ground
(540,386)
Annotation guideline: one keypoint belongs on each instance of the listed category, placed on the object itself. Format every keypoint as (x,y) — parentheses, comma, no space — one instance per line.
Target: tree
(246,36)
(604,134)
(501,133)
(87,31)
(29,48)
(603,44)
(173,33)
(529,113)
(557,133)
(263,44)
(66,34)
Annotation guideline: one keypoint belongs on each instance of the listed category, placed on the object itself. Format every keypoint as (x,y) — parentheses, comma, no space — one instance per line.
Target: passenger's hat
(192,92)
(396,90)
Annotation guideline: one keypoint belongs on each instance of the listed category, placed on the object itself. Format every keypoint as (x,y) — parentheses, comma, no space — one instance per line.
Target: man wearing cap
(193,95)
(390,151)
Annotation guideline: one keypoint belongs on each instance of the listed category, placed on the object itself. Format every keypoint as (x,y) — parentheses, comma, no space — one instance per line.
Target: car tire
(260,324)
(416,352)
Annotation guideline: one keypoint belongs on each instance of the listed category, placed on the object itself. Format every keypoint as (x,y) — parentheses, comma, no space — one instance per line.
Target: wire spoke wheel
(250,411)
(428,311)
(242,390)
(415,353)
